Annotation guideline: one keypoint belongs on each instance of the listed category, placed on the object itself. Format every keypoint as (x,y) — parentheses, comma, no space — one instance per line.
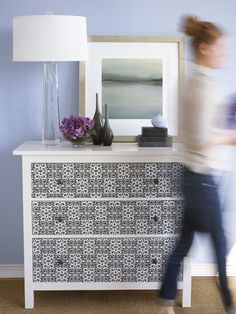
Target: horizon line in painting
(132,88)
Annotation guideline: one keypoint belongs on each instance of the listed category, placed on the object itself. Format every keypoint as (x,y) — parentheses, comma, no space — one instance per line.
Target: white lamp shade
(49,38)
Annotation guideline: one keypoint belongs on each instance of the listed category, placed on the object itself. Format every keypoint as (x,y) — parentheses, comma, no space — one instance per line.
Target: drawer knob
(154,261)
(60,262)
(59,181)
(59,218)
(156,181)
(155,218)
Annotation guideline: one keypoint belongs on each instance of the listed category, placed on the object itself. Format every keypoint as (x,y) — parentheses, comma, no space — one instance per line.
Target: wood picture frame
(122,48)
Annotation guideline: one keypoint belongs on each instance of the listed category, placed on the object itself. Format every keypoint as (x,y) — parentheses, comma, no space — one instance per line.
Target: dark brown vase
(107,134)
(97,138)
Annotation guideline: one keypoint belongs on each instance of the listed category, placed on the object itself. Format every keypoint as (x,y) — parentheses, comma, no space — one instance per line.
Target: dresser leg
(29,298)
(187,283)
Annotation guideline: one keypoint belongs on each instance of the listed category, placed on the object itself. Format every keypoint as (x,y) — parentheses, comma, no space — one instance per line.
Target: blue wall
(21,83)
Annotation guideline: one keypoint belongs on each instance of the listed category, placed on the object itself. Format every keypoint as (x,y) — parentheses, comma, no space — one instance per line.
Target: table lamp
(48,39)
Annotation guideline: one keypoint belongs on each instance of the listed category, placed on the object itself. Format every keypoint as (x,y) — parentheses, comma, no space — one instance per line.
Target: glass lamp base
(51,112)
(51,142)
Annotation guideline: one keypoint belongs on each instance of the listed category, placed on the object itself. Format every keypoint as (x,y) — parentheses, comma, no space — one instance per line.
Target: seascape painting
(132,88)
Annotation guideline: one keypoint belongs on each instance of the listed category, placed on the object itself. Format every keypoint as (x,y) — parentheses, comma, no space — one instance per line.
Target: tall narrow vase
(97,138)
(51,112)
(107,134)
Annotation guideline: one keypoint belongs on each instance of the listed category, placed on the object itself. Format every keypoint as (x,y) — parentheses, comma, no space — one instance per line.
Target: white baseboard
(198,270)
(210,270)
(202,270)
(11,271)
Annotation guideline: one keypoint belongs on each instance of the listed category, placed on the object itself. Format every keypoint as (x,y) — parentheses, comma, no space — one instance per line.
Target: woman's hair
(200,31)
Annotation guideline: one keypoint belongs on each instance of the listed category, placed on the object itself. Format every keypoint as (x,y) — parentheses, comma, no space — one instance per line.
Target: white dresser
(100,218)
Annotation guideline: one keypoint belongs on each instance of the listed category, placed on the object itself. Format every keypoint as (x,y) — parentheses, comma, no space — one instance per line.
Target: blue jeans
(202,214)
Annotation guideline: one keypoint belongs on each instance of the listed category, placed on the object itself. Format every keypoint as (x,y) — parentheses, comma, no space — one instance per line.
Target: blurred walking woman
(202,210)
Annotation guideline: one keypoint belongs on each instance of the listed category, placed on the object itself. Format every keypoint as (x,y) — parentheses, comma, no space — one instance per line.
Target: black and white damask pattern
(107,217)
(107,180)
(100,259)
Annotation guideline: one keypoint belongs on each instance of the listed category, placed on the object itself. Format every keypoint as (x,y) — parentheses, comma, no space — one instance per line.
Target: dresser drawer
(100,259)
(107,217)
(105,180)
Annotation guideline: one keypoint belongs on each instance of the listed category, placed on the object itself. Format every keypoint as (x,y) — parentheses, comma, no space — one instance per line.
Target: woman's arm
(201,116)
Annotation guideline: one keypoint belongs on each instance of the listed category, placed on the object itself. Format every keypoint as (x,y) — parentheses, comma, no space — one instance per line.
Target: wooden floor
(205,300)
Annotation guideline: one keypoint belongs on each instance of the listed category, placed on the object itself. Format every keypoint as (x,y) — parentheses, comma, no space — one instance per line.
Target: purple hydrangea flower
(76,126)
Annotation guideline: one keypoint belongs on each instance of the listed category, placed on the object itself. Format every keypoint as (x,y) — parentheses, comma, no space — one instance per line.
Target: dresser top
(65,148)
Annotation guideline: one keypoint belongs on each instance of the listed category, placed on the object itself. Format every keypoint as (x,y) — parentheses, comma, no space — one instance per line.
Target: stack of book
(154,137)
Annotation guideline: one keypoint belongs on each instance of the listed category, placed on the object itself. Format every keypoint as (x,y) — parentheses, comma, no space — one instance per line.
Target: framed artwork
(138,77)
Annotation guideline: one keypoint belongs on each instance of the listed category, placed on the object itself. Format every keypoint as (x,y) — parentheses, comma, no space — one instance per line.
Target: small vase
(107,134)
(97,138)
(78,143)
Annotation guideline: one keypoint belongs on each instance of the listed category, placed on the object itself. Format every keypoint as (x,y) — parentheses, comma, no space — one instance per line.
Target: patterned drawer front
(69,180)
(107,217)
(100,259)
